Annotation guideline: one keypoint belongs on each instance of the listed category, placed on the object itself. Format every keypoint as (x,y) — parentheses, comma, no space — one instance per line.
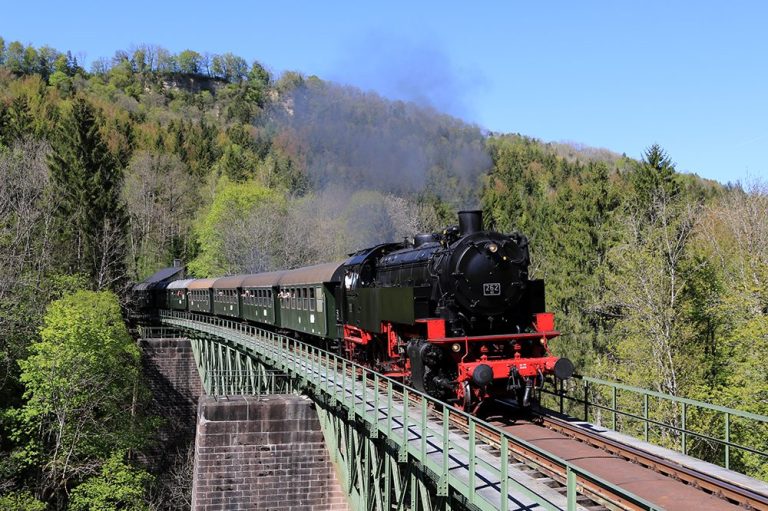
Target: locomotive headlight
(456,347)
(493,248)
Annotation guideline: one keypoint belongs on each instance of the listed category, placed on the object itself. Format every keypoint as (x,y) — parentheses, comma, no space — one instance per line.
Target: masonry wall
(171,375)
(264,453)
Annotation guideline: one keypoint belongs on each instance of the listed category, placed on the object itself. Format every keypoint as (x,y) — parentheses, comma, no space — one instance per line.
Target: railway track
(705,483)
(655,479)
(651,477)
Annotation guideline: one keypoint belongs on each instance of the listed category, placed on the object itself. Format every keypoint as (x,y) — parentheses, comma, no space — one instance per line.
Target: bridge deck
(431,434)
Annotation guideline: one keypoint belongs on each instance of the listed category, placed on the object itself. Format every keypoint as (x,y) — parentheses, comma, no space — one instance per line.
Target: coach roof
(231,282)
(310,275)
(201,284)
(180,284)
(267,279)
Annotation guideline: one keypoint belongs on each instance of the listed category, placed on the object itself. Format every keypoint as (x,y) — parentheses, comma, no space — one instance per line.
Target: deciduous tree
(81,382)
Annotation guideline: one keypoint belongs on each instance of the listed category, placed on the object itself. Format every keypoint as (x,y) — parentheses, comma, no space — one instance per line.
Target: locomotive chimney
(470,222)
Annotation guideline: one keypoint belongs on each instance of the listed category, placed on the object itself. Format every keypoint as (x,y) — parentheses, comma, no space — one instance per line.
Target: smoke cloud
(371,160)
(365,142)
(409,70)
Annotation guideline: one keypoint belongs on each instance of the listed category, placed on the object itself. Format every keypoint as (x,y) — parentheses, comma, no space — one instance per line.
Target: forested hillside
(107,174)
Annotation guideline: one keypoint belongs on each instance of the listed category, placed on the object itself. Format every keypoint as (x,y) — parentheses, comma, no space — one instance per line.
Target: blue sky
(691,76)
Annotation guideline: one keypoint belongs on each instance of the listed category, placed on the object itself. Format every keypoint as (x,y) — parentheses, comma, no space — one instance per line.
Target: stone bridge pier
(265,453)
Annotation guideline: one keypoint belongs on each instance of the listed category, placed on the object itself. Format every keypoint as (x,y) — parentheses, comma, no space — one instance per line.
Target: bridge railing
(158,332)
(709,432)
(424,425)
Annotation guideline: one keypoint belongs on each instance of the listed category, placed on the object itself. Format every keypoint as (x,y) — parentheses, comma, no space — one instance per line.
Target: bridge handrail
(345,394)
(585,401)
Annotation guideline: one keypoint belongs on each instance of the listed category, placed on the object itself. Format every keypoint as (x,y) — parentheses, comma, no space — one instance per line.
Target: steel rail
(686,405)
(705,482)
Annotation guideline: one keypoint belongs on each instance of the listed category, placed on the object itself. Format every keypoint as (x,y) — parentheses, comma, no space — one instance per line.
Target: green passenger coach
(176,294)
(258,298)
(306,299)
(226,295)
(199,295)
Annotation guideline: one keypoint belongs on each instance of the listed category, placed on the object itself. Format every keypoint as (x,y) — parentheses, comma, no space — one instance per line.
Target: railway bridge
(392,447)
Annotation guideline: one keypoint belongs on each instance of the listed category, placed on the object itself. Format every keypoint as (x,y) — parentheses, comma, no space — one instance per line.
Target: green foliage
(189,62)
(89,181)
(231,202)
(119,486)
(653,177)
(82,390)
(20,501)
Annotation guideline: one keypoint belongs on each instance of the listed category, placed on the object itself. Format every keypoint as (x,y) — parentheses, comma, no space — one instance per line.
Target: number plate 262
(492,289)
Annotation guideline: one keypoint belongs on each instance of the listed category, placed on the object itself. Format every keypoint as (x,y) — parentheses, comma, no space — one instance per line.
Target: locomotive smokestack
(470,222)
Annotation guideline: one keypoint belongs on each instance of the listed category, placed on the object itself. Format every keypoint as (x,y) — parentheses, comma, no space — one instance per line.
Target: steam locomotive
(453,314)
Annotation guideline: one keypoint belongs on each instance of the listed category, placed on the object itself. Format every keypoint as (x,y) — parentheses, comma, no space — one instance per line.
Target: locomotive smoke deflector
(470,222)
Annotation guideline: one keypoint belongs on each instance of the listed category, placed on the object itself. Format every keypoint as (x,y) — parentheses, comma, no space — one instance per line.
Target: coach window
(312,298)
(319,300)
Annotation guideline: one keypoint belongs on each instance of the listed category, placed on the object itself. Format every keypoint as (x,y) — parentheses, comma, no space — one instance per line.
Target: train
(453,313)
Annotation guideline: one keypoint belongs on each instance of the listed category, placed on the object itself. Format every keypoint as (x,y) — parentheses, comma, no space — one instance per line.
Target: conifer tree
(653,178)
(88,180)
(19,121)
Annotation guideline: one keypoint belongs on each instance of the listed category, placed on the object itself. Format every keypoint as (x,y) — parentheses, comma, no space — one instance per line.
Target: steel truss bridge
(394,447)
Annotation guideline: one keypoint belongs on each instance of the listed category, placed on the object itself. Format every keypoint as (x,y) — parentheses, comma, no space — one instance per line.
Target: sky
(621,75)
